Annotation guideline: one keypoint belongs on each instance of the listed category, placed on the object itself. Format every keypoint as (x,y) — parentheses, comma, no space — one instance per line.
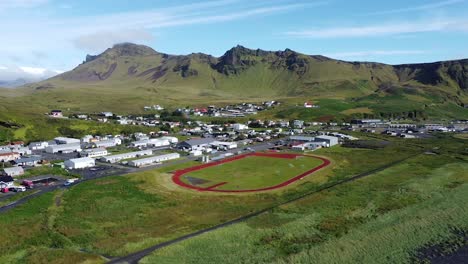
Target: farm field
(252,172)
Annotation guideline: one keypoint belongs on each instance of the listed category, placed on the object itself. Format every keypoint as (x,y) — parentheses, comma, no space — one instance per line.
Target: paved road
(137,256)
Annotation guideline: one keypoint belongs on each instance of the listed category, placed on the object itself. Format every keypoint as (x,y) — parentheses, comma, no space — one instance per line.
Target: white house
(38,145)
(13,171)
(225,145)
(79,163)
(240,127)
(108,143)
(64,148)
(7,155)
(21,150)
(195,153)
(94,152)
(87,139)
(65,140)
(152,160)
(6,181)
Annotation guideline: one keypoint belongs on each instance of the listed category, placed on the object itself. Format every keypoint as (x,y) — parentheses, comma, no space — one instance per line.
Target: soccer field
(248,173)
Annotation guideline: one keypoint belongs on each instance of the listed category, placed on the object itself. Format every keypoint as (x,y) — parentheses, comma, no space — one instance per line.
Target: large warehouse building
(64,148)
(129,155)
(65,140)
(79,163)
(152,160)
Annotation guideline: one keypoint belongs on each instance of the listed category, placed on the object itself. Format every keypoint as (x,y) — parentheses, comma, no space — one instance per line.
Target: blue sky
(43,37)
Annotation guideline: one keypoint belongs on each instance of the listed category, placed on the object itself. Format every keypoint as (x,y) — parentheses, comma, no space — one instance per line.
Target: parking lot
(100,170)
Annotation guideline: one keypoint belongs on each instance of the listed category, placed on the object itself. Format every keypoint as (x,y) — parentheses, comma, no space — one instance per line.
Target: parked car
(70,181)
(28,184)
(17,189)
(4,190)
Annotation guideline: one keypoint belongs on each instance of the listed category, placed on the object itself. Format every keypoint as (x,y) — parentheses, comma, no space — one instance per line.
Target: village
(94,156)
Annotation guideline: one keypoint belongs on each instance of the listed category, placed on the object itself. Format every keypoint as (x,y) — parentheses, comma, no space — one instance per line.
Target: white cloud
(373,53)
(12,73)
(429,6)
(382,30)
(99,41)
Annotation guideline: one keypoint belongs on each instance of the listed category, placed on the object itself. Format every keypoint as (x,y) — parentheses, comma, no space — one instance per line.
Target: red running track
(176,178)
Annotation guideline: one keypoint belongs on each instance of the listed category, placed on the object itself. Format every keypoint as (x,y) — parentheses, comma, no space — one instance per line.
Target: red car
(4,190)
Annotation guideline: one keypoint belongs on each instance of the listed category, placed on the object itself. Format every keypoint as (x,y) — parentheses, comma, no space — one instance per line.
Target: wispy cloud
(425,7)
(94,33)
(382,30)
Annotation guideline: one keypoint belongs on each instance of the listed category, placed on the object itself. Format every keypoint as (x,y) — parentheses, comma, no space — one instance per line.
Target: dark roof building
(195,143)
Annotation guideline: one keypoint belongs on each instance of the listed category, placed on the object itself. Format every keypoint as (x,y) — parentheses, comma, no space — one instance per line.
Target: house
(152,160)
(329,141)
(107,143)
(193,144)
(129,155)
(298,124)
(66,140)
(7,156)
(240,127)
(13,171)
(28,161)
(64,148)
(17,143)
(21,150)
(308,105)
(94,152)
(56,113)
(224,145)
(80,163)
(195,153)
(6,181)
(152,142)
(307,145)
(38,145)
(107,114)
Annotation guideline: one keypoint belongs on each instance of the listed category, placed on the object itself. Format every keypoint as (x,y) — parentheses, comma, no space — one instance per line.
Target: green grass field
(252,172)
(114,216)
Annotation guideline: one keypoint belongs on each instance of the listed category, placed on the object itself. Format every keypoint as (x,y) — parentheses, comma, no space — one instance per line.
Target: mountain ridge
(139,75)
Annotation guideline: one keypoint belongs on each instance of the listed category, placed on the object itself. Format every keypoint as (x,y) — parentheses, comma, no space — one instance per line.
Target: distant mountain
(18,82)
(127,71)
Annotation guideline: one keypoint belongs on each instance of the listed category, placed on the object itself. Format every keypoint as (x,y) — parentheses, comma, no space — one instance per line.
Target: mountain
(17,83)
(137,74)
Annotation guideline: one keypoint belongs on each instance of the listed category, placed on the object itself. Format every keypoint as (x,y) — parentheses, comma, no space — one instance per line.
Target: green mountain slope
(136,75)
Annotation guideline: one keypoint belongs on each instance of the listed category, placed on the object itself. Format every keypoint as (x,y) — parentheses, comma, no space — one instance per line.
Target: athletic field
(249,173)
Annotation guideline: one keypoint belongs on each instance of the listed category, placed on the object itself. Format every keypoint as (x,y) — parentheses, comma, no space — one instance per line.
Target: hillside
(137,75)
